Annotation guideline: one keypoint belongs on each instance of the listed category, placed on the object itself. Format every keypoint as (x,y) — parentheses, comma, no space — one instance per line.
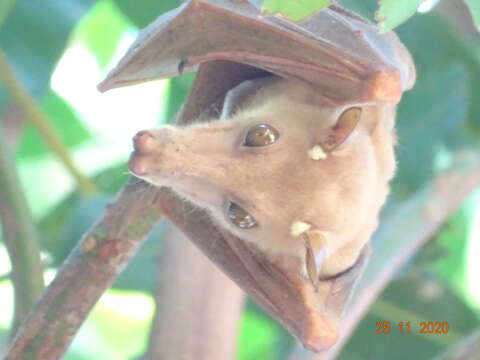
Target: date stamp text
(411,327)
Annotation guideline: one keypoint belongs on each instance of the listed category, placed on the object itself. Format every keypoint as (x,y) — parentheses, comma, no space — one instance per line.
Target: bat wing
(228,42)
(338,53)
(312,316)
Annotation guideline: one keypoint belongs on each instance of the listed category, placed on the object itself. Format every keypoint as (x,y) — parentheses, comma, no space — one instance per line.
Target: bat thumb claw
(320,334)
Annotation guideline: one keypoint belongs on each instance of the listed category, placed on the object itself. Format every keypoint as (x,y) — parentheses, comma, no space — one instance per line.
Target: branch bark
(20,238)
(198,306)
(419,219)
(90,269)
(466,349)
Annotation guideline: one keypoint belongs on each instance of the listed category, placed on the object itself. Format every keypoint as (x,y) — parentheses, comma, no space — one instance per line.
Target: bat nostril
(144,142)
(138,165)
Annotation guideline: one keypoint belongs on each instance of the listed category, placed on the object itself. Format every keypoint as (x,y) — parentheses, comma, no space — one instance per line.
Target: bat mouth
(341,273)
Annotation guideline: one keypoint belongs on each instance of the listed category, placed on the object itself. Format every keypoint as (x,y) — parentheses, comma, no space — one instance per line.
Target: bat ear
(345,125)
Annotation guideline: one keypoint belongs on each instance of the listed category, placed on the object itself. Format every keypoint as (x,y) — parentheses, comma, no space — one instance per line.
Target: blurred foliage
(143,15)
(429,288)
(393,13)
(34,37)
(63,119)
(439,117)
(294,10)
(443,120)
(105,15)
(474,6)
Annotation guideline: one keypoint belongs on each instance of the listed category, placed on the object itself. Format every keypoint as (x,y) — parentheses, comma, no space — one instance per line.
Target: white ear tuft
(317,153)
(299,227)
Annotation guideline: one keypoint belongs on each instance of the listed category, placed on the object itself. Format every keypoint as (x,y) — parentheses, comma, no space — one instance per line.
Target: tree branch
(20,95)
(20,238)
(419,218)
(466,349)
(90,269)
(198,306)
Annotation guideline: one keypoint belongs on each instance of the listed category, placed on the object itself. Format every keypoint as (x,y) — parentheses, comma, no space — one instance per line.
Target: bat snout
(145,146)
(152,155)
(138,165)
(144,142)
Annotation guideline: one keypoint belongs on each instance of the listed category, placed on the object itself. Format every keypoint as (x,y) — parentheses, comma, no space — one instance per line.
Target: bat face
(281,169)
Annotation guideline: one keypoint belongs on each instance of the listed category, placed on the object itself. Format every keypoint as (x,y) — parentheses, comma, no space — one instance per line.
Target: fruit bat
(280,159)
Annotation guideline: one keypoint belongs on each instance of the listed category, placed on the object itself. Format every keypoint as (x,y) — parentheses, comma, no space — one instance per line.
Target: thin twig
(20,238)
(419,219)
(37,117)
(89,270)
(9,275)
(198,306)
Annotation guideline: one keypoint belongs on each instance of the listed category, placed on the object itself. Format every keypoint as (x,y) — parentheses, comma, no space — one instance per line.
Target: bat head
(279,168)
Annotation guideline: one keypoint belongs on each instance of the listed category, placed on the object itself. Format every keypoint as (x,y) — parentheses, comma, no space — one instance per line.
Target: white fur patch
(317,153)
(299,227)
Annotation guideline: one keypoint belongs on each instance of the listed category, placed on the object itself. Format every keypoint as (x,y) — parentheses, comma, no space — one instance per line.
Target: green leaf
(294,10)
(35,35)
(65,122)
(258,336)
(178,88)
(424,130)
(392,13)
(454,240)
(474,6)
(365,8)
(104,15)
(439,113)
(143,12)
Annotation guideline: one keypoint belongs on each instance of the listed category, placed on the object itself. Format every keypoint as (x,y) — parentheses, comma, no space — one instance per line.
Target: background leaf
(107,19)
(294,10)
(474,6)
(392,13)
(65,121)
(440,114)
(414,298)
(34,37)
(143,14)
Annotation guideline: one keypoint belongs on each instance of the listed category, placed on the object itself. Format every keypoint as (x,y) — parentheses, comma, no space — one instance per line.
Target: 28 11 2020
(407,327)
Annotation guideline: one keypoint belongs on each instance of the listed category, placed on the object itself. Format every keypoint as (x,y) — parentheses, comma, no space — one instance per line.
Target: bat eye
(261,135)
(240,217)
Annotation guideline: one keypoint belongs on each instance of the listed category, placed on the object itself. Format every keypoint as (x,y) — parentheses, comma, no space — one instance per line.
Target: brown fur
(340,196)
